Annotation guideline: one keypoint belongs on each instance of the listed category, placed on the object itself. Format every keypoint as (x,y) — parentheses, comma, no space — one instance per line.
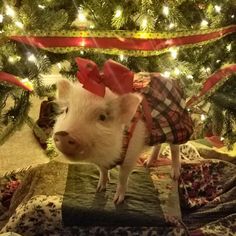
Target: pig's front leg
(103,179)
(175,161)
(122,183)
(135,147)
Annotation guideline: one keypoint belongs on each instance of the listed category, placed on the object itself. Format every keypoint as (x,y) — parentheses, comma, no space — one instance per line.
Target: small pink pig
(113,128)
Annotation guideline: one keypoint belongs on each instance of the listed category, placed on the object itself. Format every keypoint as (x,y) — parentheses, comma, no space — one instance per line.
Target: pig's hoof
(119,196)
(175,174)
(101,186)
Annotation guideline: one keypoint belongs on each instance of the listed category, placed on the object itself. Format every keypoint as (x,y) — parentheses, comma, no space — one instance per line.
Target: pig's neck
(108,155)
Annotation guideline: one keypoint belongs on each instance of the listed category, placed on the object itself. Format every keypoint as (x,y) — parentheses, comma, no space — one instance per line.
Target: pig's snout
(65,143)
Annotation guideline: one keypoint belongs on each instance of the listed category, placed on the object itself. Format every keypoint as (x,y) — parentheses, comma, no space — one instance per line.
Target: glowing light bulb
(174,53)
(204,23)
(41,6)
(166,74)
(217,8)
(189,77)
(10,11)
(81,15)
(1,18)
(203,117)
(11,59)
(19,24)
(92,26)
(165,10)
(208,69)
(59,65)
(177,71)
(232,16)
(82,52)
(144,23)
(171,25)
(121,57)
(222,138)
(118,13)
(82,44)
(32,58)
(28,83)
(229,47)
(218,61)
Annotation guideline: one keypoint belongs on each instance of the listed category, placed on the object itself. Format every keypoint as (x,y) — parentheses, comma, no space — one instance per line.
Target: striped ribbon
(212,83)
(12,79)
(116,42)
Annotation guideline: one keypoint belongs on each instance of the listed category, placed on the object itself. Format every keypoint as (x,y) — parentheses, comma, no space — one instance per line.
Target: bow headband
(115,76)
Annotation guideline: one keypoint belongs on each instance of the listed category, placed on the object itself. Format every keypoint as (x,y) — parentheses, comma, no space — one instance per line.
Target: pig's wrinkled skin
(90,128)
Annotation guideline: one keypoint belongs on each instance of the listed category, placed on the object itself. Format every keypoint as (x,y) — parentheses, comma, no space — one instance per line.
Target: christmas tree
(192,41)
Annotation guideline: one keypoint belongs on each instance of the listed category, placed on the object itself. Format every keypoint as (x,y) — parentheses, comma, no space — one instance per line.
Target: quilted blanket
(61,199)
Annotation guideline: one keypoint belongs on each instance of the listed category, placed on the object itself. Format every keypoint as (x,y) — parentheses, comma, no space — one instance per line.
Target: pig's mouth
(68,145)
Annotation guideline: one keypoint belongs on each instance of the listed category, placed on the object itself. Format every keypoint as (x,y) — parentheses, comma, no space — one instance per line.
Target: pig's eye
(102,117)
(66,110)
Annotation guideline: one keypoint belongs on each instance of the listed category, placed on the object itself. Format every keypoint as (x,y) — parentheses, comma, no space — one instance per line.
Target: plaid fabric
(171,122)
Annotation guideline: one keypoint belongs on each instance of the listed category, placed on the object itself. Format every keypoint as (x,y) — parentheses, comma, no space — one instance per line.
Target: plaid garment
(171,122)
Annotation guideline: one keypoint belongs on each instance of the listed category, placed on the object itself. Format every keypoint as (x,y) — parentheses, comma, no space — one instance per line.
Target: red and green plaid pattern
(171,122)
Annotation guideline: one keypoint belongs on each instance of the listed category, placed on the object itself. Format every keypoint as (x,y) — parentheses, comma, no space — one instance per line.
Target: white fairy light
(189,77)
(59,65)
(232,16)
(204,23)
(222,138)
(218,61)
(1,18)
(203,117)
(19,24)
(92,26)
(144,23)
(28,83)
(229,47)
(10,11)
(41,6)
(82,52)
(174,53)
(177,71)
(32,58)
(118,13)
(166,74)
(81,15)
(165,10)
(217,8)
(82,44)
(171,25)
(11,59)
(121,57)
(208,69)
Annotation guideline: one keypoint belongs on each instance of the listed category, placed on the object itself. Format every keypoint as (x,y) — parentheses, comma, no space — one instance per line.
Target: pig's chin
(72,155)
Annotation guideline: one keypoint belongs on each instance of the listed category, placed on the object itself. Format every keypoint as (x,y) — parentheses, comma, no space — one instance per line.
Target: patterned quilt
(60,199)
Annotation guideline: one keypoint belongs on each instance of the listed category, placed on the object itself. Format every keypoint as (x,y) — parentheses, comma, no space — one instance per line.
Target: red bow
(115,76)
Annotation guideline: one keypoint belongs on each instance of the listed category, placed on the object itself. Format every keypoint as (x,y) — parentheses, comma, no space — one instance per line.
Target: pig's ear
(128,104)
(63,88)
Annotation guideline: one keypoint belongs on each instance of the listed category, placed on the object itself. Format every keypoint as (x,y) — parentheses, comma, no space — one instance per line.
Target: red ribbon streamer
(212,81)
(121,43)
(13,80)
